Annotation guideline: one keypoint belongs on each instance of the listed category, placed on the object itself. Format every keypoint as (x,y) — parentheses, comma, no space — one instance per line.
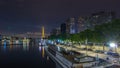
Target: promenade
(93,54)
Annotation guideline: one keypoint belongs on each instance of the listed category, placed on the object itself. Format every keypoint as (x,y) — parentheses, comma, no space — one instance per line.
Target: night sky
(30,15)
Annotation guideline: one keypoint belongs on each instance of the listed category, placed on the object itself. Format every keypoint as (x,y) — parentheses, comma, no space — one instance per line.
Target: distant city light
(17,42)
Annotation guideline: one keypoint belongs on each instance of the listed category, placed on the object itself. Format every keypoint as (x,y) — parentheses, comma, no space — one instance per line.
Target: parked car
(113,54)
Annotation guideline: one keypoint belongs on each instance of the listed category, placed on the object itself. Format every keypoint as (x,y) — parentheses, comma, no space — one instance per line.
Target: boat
(57,57)
(69,59)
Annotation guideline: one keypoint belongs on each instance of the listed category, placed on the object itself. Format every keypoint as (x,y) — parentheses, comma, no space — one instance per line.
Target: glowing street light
(113,45)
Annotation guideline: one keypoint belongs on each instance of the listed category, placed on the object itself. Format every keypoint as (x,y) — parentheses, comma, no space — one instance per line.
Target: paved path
(89,53)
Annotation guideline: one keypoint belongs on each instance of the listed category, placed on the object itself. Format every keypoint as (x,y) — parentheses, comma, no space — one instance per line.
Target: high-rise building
(101,17)
(89,22)
(70,26)
(82,23)
(58,31)
(63,28)
(55,31)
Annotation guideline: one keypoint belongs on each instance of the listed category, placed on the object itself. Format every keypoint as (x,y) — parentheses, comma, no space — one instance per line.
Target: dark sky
(30,15)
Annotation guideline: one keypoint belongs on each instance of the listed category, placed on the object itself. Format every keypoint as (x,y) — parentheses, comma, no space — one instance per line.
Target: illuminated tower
(43,34)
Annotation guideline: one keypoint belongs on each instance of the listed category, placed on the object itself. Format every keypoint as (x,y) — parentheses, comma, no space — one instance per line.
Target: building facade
(101,17)
(89,22)
(70,26)
(55,31)
(63,28)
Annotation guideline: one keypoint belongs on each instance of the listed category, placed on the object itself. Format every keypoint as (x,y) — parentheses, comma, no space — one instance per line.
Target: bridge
(26,35)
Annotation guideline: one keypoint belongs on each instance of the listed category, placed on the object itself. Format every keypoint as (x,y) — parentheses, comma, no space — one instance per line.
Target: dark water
(24,56)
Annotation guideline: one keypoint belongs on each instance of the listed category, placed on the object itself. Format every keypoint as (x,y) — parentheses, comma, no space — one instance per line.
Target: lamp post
(113,45)
(86,45)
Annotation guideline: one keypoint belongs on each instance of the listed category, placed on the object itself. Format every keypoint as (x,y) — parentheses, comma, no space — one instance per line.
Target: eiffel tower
(43,32)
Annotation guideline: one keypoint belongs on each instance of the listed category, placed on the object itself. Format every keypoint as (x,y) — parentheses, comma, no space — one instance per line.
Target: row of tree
(100,34)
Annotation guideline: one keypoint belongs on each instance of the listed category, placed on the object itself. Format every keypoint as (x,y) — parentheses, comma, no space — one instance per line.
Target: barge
(69,59)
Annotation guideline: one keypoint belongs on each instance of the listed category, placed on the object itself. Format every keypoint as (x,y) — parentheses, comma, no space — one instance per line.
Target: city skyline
(31,15)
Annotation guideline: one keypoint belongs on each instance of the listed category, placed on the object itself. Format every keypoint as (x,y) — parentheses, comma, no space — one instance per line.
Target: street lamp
(113,45)
(86,45)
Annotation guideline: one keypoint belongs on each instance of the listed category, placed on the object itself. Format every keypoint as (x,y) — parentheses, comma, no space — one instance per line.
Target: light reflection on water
(25,47)
(43,52)
(4,46)
(9,47)
(13,53)
(24,55)
(41,49)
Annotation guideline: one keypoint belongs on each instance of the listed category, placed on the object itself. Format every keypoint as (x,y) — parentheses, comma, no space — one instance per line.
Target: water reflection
(43,52)
(41,49)
(4,46)
(25,44)
(34,57)
(25,47)
(47,57)
(11,46)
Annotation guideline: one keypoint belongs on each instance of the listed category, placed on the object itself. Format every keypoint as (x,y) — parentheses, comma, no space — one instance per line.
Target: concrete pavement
(91,53)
